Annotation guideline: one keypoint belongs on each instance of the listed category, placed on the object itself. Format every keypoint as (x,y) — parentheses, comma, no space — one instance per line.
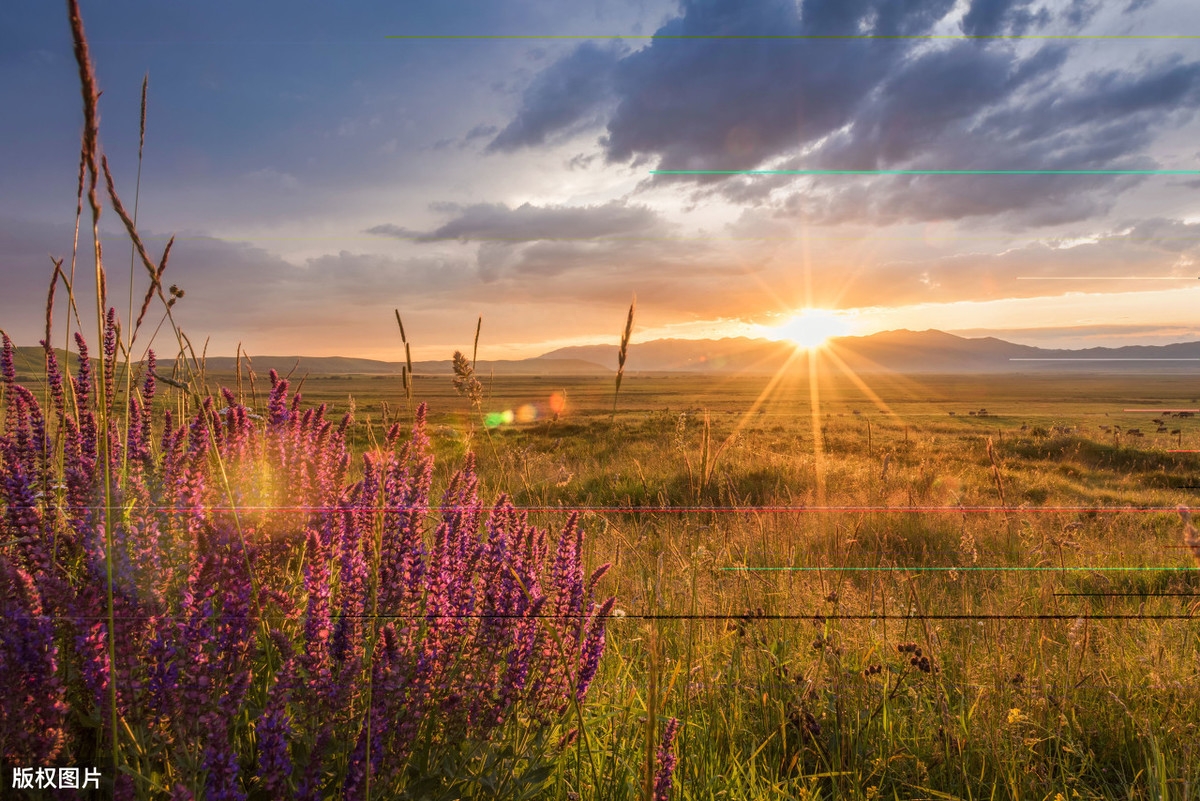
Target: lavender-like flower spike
(666,762)
(32,705)
(274,730)
(593,649)
(111,329)
(7,368)
(221,763)
(277,413)
(54,378)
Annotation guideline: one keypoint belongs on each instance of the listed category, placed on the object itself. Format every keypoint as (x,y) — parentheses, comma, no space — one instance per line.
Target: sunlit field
(897,602)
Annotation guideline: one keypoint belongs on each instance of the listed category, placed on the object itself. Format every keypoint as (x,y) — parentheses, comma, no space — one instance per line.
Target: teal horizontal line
(947,569)
(925,172)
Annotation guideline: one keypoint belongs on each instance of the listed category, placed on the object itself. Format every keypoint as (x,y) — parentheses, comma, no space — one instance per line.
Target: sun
(810,329)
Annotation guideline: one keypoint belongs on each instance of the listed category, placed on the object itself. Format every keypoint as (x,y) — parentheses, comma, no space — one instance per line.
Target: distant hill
(28,360)
(342,365)
(32,361)
(897,351)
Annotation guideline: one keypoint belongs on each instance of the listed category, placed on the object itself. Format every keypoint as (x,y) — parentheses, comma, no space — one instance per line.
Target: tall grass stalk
(406,372)
(475,347)
(90,147)
(1008,521)
(622,353)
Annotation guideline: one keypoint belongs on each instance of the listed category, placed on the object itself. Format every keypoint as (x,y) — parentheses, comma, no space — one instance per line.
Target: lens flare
(526,412)
(811,328)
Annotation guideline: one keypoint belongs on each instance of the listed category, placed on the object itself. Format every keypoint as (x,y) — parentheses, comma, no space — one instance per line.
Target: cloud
(273,179)
(585,255)
(560,98)
(938,111)
(232,289)
(529,223)
(1152,248)
(994,17)
(733,103)
(1169,236)
(706,95)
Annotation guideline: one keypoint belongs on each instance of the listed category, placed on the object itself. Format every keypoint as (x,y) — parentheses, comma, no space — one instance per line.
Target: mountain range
(897,351)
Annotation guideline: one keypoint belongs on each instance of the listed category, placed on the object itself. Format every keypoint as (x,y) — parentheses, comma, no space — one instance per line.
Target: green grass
(783,708)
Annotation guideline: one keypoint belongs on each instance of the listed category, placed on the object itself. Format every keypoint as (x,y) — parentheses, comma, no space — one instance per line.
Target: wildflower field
(231,586)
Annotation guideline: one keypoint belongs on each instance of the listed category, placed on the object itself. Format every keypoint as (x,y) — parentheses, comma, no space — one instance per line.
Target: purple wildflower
(7,368)
(666,759)
(593,649)
(274,760)
(32,705)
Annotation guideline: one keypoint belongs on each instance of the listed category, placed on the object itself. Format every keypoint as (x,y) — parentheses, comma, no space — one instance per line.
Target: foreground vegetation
(923,606)
(1042,576)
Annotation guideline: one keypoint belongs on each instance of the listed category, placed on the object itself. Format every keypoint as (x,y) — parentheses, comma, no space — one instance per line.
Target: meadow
(926,605)
(773,598)
(663,586)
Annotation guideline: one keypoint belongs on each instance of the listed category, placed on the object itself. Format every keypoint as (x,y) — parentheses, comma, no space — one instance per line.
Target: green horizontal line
(816,36)
(925,172)
(947,569)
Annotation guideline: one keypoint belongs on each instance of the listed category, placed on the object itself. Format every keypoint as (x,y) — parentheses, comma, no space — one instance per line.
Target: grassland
(1098,698)
(765,582)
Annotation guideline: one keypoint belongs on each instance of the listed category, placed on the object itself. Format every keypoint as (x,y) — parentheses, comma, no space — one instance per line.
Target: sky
(321,166)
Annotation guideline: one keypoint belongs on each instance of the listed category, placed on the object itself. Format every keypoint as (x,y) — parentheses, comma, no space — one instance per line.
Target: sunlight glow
(810,328)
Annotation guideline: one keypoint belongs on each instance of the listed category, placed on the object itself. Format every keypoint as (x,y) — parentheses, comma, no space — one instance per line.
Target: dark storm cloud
(993,17)
(528,223)
(942,110)
(561,97)
(722,103)
(713,103)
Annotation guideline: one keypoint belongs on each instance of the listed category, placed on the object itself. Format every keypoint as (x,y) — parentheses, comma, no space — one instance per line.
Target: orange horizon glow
(809,328)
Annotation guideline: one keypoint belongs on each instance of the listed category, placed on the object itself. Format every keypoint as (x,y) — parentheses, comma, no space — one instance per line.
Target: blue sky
(317,174)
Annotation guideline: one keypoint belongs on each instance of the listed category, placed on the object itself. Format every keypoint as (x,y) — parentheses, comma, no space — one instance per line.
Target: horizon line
(997,335)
